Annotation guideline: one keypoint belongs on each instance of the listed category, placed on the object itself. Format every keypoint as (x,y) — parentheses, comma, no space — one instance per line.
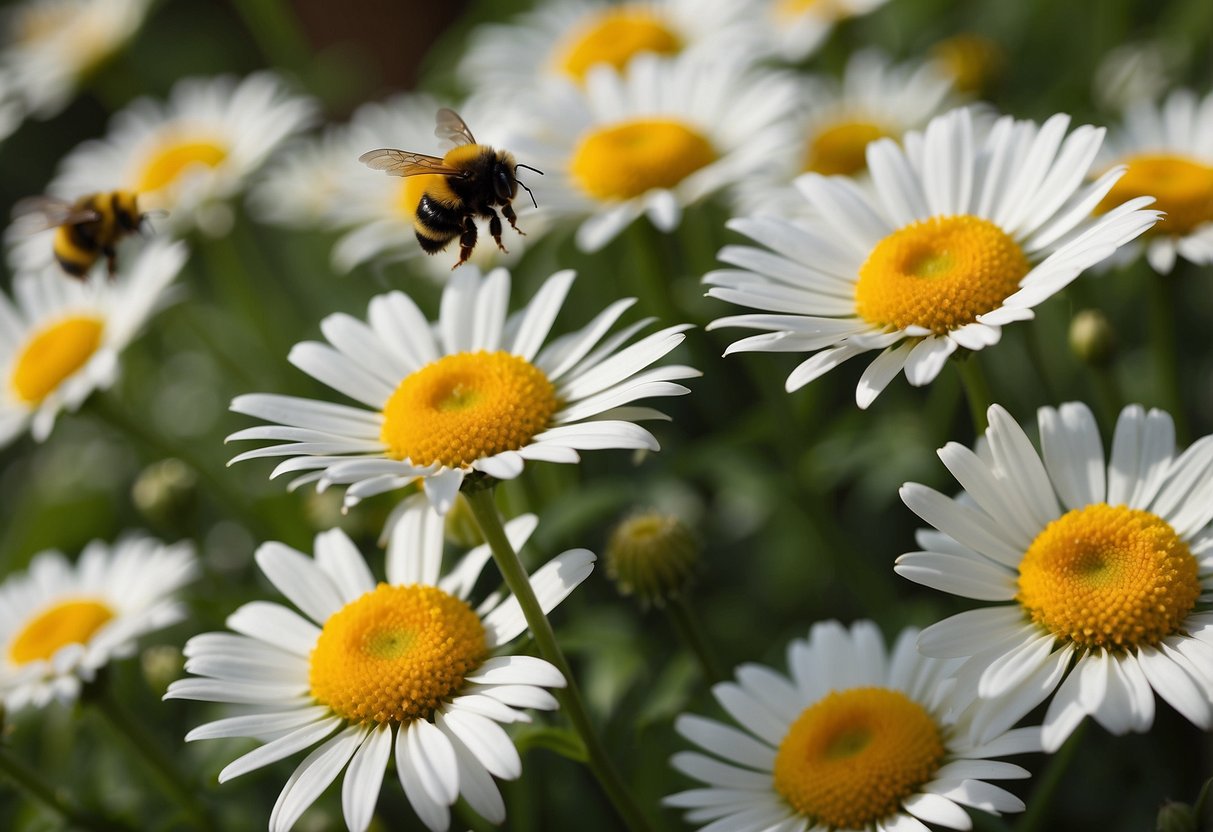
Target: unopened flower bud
(1092,338)
(164,491)
(652,555)
(1176,817)
(161,664)
(460,526)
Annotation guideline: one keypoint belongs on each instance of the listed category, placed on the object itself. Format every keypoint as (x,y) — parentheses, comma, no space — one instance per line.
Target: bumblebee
(468,182)
(85,229)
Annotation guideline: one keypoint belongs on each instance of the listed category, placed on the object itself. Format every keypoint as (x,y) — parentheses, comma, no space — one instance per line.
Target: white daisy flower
(835,120)
(856,739)
(1133,72)
(12,107)
(407,665)
(795,29)
(563,39)
(380,209)
(959,235)
(664,133)
(1105,569)
(472,392)
(300,187)
(55,43)
(60,339)
(1168,150)
(60,623)
(189,155)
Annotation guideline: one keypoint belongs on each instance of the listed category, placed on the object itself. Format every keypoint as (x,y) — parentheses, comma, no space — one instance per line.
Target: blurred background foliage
(794,496)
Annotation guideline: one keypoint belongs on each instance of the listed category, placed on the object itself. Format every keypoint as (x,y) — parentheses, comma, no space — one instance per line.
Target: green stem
(977,391)
(1036,355)
(276,30)
(21,774)
(1108,395)
(1049,782)
(160,764)
(107,410)
(683,617)
(1164,347)
(485,510)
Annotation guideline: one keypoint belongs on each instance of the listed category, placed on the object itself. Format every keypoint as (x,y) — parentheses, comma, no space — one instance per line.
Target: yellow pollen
(1108,576)
(1181,187)
(852,757)
(53,354)
(839,150)
(612,37)
(939,273)
(625,160)
(467,406)
(68,622)
(395,654)
(173,158)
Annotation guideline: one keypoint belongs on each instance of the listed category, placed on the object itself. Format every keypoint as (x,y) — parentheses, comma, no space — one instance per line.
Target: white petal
(299,578)
(360,789)
(313,776)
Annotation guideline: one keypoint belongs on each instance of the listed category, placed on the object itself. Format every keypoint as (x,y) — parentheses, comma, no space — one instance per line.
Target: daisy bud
(1176,817)
(161,664)
(652,555)
(460,526)
(164,491)
(1092,338)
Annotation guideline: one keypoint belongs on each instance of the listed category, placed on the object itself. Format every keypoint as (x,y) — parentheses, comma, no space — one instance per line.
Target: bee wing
(452,127)
(38,213)
(404,163)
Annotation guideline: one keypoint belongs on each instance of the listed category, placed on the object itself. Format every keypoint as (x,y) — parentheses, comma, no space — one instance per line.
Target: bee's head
(505,184)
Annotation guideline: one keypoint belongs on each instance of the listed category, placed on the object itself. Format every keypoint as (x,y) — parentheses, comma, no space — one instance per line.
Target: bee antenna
(528,190)
(528,167)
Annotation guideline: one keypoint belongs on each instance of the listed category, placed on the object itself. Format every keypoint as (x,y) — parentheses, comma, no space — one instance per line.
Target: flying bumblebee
(468,182)
(85,230)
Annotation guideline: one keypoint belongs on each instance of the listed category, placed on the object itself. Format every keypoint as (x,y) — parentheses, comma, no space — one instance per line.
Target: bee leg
(467,241)
(111,260)
(495,230)
(508,210)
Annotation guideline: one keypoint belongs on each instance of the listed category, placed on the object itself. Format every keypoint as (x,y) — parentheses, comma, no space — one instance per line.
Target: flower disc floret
(839,150)
(166,165)
(624,160)
(1109,576)
(467,406)
(1181,187)
(852,757)
(940,274)
(395,654)
(67,622)
(613,37)
(54,354)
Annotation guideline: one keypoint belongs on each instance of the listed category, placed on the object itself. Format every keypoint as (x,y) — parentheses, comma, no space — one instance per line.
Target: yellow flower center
(939,273)
(790,10)
(612,37)
(852,757)
(1108,576)
(839,150)
(53,354)
(68,622)
(465,407)
(626,160)
(175,157)
(1181,187)
(395,654)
